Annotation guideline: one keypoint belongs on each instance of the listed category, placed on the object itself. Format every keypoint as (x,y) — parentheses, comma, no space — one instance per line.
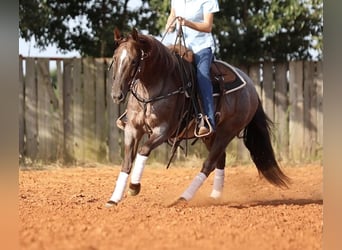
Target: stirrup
(203,127)
(122,120)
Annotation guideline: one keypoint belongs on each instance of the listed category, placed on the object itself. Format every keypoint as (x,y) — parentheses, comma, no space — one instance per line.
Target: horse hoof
(110,204)
(179,201)
(134,189)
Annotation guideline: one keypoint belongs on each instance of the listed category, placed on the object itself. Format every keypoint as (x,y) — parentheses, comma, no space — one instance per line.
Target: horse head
(126,63)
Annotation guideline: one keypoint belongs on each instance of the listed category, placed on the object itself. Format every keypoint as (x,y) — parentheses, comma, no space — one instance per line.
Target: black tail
(257,139)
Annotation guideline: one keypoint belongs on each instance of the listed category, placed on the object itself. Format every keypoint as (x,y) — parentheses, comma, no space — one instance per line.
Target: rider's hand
(181,21)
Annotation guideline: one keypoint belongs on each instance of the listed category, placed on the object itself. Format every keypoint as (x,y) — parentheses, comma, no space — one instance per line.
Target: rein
(134,82)
(154,99)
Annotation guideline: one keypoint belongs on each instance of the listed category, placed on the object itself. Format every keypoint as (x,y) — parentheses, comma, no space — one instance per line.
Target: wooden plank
(231,153)
(296,111)
(77,110)
(254,74)
(59,113)
(309,124)
(31,122)
(101,125)
(242,154)
(281,112)
(267,86)
(89,110)
(67,112)
(115,137)
(46,149)
(244,68)
(21,110)
(318,79)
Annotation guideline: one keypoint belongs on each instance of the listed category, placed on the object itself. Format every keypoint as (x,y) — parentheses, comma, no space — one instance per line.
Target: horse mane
(157,53)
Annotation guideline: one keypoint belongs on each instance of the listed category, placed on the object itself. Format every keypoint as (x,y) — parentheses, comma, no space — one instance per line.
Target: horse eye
(134,62)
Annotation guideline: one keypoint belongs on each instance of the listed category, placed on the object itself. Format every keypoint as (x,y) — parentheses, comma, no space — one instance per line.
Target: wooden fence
(66,113)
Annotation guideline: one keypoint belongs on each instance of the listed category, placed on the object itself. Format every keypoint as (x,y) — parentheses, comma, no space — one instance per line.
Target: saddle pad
(224,78)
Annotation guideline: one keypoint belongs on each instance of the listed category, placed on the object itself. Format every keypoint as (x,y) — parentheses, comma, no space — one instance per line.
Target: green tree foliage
(83,25)
(245,31)
(249,31)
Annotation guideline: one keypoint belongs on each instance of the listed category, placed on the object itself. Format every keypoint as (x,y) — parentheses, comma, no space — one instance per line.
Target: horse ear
(117,34)
(134,34)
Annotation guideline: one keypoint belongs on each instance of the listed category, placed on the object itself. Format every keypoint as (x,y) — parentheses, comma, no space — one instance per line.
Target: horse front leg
(132,138)
(154,141)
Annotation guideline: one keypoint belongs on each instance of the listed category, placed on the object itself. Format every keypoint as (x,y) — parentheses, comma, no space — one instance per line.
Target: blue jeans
(203,60)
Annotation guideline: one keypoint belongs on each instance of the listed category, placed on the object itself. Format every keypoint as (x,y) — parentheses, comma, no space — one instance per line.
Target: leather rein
(135,80)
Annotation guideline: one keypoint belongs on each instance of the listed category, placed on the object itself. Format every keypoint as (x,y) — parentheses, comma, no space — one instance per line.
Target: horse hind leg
(201,177)
(215,160)
(219,177)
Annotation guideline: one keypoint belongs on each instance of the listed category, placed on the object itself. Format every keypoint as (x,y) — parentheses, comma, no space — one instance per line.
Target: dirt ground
(63,208)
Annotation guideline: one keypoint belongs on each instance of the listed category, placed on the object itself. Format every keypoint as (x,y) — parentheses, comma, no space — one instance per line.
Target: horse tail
(256,137)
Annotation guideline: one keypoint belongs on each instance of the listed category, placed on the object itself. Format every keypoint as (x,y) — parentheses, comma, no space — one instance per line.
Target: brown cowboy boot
(204,128)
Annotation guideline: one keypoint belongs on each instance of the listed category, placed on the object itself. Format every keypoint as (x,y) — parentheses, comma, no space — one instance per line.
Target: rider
(196,17)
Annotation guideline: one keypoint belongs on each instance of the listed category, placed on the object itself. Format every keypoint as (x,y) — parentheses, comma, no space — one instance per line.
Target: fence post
(296,128)
(21,109)
(254,74)
(281,112)
(318,79)
(114,136)
(67,111)
(31,121)
(309,114)
(59,114)
(77,110)
(242,154)
(46,106)
(267,86)
(89,109)
(100,125)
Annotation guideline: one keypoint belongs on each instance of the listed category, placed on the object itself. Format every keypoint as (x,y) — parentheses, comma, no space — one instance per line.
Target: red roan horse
(151,71)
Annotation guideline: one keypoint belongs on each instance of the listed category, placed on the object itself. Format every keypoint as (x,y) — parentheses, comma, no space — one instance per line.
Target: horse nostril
(121,97)
(118,98)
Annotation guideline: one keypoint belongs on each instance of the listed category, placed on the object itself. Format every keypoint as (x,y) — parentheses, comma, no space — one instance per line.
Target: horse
(154,75)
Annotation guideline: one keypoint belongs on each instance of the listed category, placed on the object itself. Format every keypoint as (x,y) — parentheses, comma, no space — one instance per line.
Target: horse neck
(158,64)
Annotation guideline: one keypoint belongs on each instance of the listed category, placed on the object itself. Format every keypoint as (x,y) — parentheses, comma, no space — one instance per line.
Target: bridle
(135,80)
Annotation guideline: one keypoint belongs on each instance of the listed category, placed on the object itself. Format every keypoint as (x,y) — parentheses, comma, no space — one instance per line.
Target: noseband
(136,71)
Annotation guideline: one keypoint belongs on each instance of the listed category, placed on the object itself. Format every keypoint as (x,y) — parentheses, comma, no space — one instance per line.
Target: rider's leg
(203,60)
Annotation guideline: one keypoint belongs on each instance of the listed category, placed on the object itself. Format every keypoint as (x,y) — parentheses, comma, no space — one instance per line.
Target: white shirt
(194,10)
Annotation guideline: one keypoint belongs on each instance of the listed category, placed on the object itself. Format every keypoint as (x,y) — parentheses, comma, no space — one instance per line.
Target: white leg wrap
(218,183)
(138,168)
(194,186)
(119,187)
